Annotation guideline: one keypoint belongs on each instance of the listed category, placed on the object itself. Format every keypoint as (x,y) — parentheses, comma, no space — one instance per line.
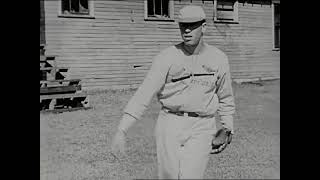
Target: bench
(60,89)
(67,100)
(57,69)
(60,82)
(58,94)
(53,72)
(46,58)
(62,96)
(64,110)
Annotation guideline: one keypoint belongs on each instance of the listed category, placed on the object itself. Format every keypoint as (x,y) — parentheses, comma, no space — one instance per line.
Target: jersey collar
(199,50)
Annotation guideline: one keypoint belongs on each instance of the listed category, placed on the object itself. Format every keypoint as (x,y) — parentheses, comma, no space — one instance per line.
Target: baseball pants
(183,145)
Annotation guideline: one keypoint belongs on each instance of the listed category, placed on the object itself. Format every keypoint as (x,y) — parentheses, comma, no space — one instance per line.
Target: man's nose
(187,30)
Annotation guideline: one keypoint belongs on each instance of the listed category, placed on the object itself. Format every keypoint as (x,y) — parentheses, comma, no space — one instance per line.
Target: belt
(183,113)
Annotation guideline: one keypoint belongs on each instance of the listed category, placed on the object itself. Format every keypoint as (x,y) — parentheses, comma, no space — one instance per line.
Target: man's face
(191,33)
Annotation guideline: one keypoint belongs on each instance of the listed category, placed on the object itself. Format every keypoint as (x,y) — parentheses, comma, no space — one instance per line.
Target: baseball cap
(190,14)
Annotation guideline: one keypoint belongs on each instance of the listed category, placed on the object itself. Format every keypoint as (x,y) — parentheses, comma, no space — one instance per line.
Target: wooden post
(236,11)
(154,7)
(215,10)
(161,8)
(171,9)
(145,9)
(52,104)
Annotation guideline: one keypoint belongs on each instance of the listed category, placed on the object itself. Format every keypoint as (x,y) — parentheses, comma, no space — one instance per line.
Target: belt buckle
(182,113)
(185,114)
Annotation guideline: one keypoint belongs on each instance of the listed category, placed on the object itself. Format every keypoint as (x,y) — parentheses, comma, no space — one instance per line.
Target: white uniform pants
(183,145)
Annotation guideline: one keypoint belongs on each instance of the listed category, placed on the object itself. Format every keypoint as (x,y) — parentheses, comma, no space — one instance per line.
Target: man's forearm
(227,122)
(126,122)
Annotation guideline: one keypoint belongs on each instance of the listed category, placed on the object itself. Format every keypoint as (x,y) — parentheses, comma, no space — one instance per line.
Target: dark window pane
(165,8)
(277,25)
(277,37)
(84,3)
(65,6)
(158,7)
(83,8)
(150,7)
(277,13)
(225,10)
(74,6)
(226,4)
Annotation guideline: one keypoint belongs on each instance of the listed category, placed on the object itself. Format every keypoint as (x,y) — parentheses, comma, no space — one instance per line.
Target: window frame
(235,13)
(88,16)
(274,48)
(170,11)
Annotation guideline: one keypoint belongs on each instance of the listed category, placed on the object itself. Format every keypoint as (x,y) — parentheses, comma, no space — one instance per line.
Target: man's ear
(204,27)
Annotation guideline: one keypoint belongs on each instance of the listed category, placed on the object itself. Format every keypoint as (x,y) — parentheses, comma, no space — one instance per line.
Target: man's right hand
(119,139)
(118,143)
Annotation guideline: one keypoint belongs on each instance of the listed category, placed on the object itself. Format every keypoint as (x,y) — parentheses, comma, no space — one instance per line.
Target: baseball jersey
(198,82)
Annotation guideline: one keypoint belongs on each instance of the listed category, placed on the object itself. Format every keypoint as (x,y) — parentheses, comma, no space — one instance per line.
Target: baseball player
(192,82)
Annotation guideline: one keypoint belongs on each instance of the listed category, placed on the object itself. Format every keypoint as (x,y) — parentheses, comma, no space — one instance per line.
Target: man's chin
(189,43)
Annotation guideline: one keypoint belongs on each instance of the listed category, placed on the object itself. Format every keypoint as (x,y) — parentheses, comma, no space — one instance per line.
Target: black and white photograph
(159,89)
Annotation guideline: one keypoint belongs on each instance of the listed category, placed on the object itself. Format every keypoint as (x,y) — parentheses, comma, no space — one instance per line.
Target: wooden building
(110,43)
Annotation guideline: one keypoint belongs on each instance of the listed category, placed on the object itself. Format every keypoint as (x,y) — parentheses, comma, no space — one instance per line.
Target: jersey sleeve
(151,85)
(225,95)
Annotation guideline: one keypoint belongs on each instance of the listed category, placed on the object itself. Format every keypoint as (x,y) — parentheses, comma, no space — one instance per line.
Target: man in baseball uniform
(192,82)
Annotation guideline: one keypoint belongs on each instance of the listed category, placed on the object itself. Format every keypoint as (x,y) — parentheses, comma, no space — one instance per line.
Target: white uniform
(183,82)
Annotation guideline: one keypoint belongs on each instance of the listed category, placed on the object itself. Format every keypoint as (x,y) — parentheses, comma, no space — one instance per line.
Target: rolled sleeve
(226,99)
(152,83)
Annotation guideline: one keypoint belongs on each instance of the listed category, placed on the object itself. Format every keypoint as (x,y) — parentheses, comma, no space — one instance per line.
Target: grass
(75,145)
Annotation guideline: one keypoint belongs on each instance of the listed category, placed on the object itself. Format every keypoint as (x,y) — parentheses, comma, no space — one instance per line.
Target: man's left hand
(222,138)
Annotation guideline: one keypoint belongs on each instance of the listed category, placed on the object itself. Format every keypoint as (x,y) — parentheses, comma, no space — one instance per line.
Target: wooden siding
(115,49)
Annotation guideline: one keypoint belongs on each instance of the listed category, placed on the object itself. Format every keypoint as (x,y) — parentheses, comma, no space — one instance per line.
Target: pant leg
(195,156)
(167,147)
(183,146)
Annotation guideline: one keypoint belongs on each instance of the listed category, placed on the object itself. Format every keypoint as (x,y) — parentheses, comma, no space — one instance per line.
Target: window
(225,11)
(76,8)
(276,26)
(158,10)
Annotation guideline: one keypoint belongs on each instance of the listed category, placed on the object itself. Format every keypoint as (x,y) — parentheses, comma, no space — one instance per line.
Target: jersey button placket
(192,68)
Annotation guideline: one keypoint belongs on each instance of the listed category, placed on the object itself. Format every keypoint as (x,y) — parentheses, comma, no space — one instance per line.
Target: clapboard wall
(115,49)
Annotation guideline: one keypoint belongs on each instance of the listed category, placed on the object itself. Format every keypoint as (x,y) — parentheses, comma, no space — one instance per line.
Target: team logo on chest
(204,79)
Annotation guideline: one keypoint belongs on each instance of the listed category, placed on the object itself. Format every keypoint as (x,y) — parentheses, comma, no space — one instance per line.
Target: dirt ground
(75,145)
